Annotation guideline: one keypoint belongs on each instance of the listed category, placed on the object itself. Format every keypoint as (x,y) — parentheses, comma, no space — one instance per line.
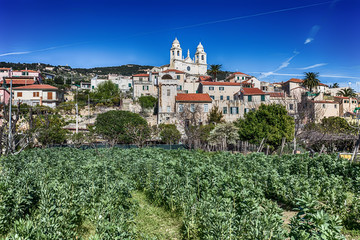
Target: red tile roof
(27,71)
(205,78)
(277,94)
(220,83)
(252,91)
(141,75)
(4,68)
(341,97)
(324,101)
(295,80)
(239,73)
(37,86)
(321,84)
(173,70)
(20,81)
(193,97)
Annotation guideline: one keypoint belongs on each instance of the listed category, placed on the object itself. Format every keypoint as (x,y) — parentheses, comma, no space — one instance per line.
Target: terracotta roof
(173,70)
(240,73)
(321,84)
(37,86)
(295,80)
(341,97)
(252,91)
(193,97)
(21,81)
(4,68)
(27,71)
(220,83)
(277,94)
(324,101)
(141,75)
(205,78)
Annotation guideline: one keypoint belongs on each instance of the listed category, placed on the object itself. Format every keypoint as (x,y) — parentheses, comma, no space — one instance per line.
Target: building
(144,85)
(195,66)
(323,108)
(4,72)
(123,82)
(4,96)
(220,90)
(252,98)
(346,105)
(192,108)
(25,73)
(37,94)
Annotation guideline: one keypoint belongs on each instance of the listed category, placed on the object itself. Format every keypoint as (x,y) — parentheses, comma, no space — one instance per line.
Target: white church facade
(193,66)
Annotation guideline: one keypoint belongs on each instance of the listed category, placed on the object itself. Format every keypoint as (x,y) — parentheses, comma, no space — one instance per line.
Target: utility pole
(88,107)
(77,113)
(10,117)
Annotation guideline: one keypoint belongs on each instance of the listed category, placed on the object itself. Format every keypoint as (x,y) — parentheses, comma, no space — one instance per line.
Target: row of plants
(86,194)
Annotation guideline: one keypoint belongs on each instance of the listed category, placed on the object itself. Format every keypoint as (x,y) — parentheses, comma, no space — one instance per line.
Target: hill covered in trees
(126,70)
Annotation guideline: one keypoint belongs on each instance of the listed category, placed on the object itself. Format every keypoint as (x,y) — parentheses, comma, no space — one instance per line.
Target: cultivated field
(179,194)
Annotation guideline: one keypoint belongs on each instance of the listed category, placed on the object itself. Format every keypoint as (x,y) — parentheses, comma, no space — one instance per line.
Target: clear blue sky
(259,37)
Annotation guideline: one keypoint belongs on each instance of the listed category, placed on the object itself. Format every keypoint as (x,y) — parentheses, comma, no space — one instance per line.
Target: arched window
(173,52)
(202,57)
(178,53)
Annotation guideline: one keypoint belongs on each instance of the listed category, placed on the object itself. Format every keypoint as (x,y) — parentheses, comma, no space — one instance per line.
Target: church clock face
(188,68)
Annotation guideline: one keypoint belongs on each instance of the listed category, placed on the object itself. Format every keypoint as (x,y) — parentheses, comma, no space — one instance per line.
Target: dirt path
(154,221)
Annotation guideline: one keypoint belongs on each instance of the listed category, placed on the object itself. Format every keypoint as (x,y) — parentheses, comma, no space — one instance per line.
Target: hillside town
(187,83)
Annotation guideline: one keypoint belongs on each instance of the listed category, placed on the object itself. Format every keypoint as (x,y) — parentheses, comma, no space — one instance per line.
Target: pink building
(4,95)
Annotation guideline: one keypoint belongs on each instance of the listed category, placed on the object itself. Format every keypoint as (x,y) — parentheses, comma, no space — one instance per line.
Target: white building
(123,82)
(37,94)
(195,66)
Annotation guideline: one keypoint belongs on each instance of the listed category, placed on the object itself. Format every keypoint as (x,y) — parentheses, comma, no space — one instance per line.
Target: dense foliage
(147,102)
(269,122)
(169,134)
(76,194)
(117,126)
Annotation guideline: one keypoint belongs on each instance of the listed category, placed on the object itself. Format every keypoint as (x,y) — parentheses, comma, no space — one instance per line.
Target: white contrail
(283,65)
(313,66)
(299,75)
(14,53)
(313,32)
(253,15)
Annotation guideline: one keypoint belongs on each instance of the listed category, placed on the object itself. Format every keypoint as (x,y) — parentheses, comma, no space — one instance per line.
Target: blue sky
(273,40)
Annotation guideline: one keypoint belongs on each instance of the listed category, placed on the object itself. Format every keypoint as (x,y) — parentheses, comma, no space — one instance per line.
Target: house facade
(37,94)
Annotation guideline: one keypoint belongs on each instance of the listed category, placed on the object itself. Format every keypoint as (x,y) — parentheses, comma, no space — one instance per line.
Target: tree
(214,70)
(114,126)
(107,92)
(335,85)
(224,134)
(147,102)
(215,116)
(347,92)
(169,133)
(311,80)
(49,129)
(270,122)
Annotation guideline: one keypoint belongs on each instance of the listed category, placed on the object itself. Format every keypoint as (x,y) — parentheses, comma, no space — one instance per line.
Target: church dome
(200,46)
(176,41)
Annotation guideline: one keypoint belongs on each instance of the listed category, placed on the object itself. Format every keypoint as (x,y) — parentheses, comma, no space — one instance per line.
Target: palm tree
(347,92)
(335,85)
(311,80)
(214,70)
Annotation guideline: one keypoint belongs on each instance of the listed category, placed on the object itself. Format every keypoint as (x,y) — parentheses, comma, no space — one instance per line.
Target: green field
(178,194)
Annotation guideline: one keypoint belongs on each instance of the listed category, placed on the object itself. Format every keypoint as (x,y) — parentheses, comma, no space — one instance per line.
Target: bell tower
(200,55)
(175,52)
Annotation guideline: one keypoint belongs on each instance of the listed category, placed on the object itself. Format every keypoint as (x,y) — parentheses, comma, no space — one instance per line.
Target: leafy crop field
(88,194)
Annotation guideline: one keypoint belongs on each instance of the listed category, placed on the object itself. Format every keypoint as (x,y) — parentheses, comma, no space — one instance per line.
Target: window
(243,78)
(202,57)
(353,101)
(221,97)
(36,94)
(178,53)
(145,87)
(181,107)
(94,86)
(221,88)
(178,77)
(168,92)
(168,109)
(212,97)
(211,88)
(49,95)
(246,110)
(263,98)
(224,110)
(19,94)
(206,108)
(140,79)
(238,78)
(291,106)
(173,53)
(25,73)
(192,107)
(324,106)
(179,87)
(227,97)
(129,85)
(249,98)
(335,105)
(234,110)
(186,91)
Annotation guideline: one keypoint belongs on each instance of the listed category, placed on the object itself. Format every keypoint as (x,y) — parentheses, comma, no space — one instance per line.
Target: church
(193,66)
